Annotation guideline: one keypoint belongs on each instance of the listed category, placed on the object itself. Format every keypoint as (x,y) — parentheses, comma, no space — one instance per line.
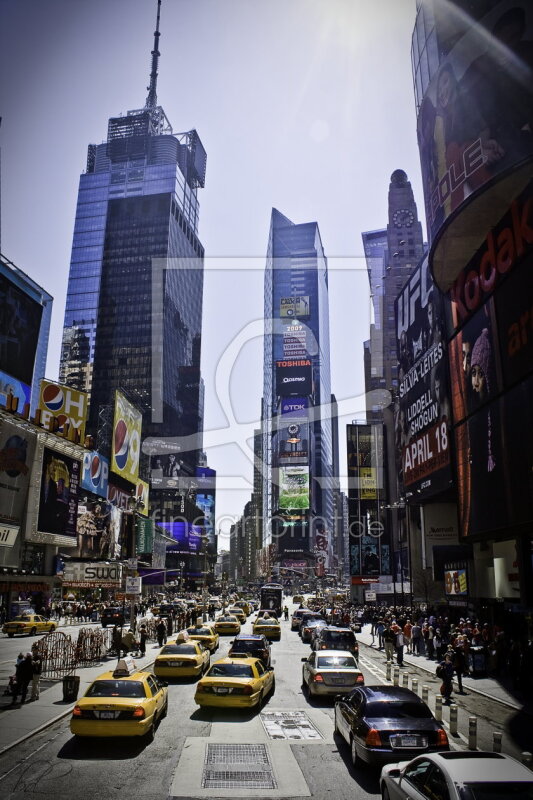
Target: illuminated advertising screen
(474,120)
(126,441)
(423,417)
(20,322)
(294,487)
(93,530)
(295,340)
(294,405)
(17,448)
(142,497)
(294,307)
(514,304)
(294,377)
(187,537)
(12,388)
(63,405)
(292,438)
(455,580)
(58,504)
(165,471)
(95,473)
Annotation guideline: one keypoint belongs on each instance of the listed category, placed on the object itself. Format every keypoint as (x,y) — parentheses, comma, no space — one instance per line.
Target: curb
(470,688)
(48,723)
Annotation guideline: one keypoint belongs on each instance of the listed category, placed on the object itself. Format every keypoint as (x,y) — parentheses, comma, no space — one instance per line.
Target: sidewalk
(489,687)
(19,722)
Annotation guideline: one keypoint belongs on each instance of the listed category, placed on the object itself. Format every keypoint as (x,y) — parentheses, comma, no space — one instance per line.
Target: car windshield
(334,661)
(22,619)
(313,623)
(494,791)
(398,710)
(199,631)
(228,619)
(179,649)
(266,622)
(112,688)
(230,671)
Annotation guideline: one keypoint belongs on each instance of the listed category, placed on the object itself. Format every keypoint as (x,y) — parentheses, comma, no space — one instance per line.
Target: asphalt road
(187,758)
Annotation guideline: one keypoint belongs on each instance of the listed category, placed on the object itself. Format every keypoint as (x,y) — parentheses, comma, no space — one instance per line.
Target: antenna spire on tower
(151,100)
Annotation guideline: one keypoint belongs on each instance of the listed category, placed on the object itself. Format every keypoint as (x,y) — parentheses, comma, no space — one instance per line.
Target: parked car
(332,638)
(457,775)
(387,723)
(329,672)
(253,645)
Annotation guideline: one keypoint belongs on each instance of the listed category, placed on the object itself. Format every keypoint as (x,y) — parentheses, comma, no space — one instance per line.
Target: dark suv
(337,639)
(255,645)
(114,616)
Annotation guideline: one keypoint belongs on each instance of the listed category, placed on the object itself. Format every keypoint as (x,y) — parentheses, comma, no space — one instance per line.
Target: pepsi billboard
(95,473)
(60,405)
(126,442)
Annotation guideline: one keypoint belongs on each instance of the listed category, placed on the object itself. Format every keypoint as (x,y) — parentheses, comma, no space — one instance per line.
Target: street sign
(132,563)
(370,597)
(133,585)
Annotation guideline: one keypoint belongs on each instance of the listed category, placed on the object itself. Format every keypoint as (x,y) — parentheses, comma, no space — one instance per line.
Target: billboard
(294,307)
(423,414)
(295,340)
(62,405)
(95,473)
(12,388)
(20,323)
(165,471)
(93,530)
(58,503)
(92,576)
(187,537)
(294,487)
(142,496)
(294,377)
(17,449)
(474,120)
(292,439)
(294,405)
(455,580)
(513,302)
(126,441)
(206,502)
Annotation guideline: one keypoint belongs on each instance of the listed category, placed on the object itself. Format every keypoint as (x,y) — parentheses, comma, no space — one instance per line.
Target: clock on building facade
(403,216)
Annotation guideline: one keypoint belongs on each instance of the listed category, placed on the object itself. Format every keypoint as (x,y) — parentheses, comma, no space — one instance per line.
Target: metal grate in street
(236,754)
(231,779)
(289,725)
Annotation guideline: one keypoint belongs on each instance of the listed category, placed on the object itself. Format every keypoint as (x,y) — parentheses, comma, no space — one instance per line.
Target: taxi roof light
(125,667)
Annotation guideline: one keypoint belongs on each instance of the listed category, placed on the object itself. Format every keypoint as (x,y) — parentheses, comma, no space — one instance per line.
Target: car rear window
(230,671)
(227,619)
(495,791)
(334,661)
(246,646)
(338,638)
(117,688)
(398,710)
(199,631)
(179,649)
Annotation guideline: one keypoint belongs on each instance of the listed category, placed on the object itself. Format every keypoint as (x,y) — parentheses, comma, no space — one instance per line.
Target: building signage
(11,390)
(20,323)
(293,441)
(58,504)
(294,405)
(295,340)
(17,449)
(455,579)
(294,487)
(8,535)
(294,307)
(294,377)
(60,405)
(95,473)
(126,441)
(142,494)
(92,574)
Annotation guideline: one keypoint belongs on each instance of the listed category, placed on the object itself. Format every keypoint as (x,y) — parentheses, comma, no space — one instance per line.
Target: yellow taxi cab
(28,623)
(238,612)
(181,660)
(268,626)
(206,634)
(244,604)
(239,682)
(124,702)
(298,598)
(227,623)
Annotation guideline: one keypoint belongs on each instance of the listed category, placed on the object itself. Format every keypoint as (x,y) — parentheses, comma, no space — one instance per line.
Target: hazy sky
(305,105)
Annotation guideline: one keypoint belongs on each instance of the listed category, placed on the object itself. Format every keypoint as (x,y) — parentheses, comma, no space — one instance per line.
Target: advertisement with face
(58,503)
(20,322)
(93,529)
(294,487)
(126,441)
(17,448)
(423,415)
(474,122)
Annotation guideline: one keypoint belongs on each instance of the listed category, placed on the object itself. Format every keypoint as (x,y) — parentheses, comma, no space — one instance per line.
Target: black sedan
(249,645)
(387,723)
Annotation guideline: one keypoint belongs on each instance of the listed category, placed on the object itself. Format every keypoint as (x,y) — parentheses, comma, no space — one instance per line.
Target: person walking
(389,639)
(143,637)
(37,667)
(416,639)
(445,671)
(407,635)
(161,631)
(380,628)
(286,613)
(459,661)
(24,674)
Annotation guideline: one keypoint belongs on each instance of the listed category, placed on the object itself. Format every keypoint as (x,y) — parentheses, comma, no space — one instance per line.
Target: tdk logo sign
(292,405)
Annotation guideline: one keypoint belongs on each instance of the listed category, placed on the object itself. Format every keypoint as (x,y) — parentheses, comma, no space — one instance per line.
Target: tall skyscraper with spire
(297,425)
(134,303)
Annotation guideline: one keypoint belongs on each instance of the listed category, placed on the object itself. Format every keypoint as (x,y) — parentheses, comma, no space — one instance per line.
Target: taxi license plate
(107,715)
(221,690)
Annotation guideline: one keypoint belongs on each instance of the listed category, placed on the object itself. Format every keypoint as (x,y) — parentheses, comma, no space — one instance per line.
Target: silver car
(457,775)
(331,672)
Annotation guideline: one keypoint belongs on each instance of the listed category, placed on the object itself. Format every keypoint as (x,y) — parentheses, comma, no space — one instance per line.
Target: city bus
(271,598)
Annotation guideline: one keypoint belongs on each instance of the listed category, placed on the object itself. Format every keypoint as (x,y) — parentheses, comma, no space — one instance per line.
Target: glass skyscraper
(297,425)
(134,303)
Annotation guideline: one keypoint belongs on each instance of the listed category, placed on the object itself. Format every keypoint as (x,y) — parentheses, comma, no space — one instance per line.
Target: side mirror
(304,659)
(394,773)
(232,641)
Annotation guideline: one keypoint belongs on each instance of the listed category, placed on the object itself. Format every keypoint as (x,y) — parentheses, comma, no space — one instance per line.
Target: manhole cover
(289,725)
(247,767)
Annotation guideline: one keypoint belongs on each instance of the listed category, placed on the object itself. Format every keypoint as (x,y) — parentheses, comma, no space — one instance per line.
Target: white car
(457,775)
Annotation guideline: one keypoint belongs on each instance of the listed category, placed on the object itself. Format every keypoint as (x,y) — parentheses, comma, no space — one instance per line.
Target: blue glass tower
(297,425)
(134,301)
